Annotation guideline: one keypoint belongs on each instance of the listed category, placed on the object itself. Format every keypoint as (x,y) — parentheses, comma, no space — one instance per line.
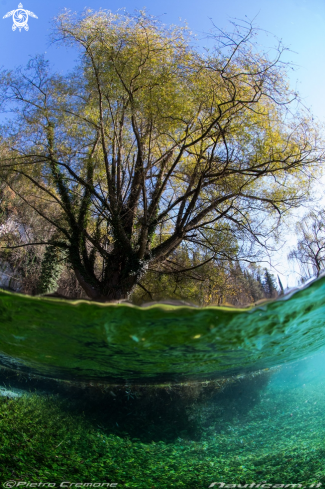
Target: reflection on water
(163,396)
(117,343)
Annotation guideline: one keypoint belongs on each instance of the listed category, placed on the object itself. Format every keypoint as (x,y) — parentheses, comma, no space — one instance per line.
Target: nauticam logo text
(253,485)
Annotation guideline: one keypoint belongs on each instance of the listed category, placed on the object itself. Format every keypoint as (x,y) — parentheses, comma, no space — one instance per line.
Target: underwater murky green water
(163,396)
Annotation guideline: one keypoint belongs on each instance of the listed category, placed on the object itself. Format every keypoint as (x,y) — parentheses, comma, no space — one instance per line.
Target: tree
(269,284)
(254,283)
(310,249)
(17,225)
(219,282)
(281,286)
(150,143)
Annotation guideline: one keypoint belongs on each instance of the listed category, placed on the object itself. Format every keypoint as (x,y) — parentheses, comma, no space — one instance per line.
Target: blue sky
(300,24)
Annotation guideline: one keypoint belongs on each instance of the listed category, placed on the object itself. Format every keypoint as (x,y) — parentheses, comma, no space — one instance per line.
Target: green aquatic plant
(42,439)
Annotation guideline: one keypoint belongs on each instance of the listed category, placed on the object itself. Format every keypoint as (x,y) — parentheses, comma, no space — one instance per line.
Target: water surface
(88,341)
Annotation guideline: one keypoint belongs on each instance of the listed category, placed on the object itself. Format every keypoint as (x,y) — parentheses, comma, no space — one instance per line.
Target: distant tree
(310,250)
(254,284)
(215,283)
(17,226)
(281,286)
(31,269)
(269,284)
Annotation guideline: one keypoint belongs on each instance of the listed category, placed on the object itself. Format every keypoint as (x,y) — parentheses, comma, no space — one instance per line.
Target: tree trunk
(115,290)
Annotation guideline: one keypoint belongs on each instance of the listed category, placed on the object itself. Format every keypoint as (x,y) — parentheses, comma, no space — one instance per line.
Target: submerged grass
(281,441)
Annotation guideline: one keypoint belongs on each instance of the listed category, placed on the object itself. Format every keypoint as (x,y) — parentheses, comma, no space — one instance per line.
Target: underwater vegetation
(162,412)
(266,433)
(161,397)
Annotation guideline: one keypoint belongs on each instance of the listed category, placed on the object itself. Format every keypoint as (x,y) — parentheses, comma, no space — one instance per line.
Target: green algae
(84,340)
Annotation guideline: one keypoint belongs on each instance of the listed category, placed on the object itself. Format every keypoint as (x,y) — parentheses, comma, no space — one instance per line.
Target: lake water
(163,396)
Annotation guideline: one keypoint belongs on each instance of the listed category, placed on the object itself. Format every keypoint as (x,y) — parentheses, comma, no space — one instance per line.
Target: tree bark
(114,290)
